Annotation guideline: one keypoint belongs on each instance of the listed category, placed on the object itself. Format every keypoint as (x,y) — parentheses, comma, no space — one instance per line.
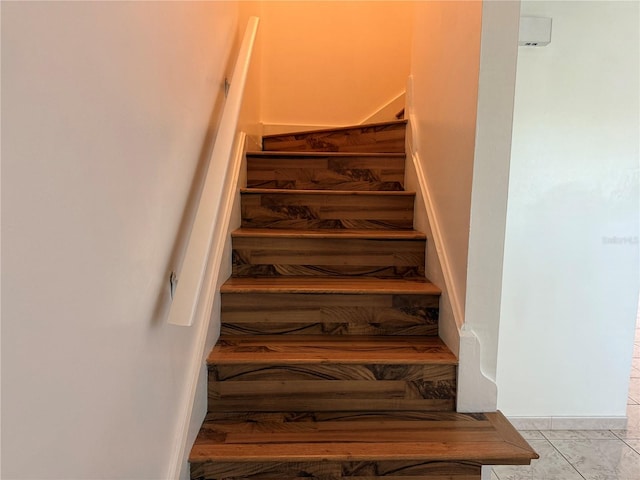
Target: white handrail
(192,276)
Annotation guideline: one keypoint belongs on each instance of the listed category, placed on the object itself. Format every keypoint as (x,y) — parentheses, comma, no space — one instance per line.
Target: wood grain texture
(331,470)
(300,171)
(321,372)
(379,137)
(311,349)
(385,254)
(329,314)
(322,285)
(339,445)
(329,366)
(309,210)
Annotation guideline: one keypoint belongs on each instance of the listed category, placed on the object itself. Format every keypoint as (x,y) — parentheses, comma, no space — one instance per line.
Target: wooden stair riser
(330,314)
(332,470)
(387,137)
(310,211)
(346,387)
(253,256)
(300,172)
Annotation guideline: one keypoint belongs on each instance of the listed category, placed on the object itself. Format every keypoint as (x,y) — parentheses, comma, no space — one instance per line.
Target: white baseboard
(388,111)
(281,128)
(569,423)
(384,113)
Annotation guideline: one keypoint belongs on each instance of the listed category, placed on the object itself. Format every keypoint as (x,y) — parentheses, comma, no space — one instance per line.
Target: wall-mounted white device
(534,31)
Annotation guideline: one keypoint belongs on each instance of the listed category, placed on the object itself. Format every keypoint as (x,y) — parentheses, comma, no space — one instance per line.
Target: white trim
(388,111)
(476,391)
(203,311)
(191,278)
(569,423)
(284,128)
(385,113)
(434,221)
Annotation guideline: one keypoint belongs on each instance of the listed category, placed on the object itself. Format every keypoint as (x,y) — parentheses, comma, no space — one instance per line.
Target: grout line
(563,456)
(637,450)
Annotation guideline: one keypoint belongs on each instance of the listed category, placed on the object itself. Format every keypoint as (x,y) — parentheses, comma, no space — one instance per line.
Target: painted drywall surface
(105,113)
(445,63)
(489,189)
(332,63)
(570,284)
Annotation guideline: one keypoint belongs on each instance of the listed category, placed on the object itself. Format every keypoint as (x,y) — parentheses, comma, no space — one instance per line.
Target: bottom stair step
(358,445)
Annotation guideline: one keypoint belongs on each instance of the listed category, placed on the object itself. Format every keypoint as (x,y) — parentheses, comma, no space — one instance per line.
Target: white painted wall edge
(191,278)
(204,307)
(486,471)
(568,423)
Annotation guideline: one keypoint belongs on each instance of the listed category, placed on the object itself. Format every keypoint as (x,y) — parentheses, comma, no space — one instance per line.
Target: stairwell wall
(332,63)
(108,111)
(442,105)
(463,75)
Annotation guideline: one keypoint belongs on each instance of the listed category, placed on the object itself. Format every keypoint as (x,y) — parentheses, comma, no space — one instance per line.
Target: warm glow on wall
(332,63)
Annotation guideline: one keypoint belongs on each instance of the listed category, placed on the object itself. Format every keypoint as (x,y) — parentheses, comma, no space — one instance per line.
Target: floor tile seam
(636,450)
(625,437)
(565,458)
(615,437)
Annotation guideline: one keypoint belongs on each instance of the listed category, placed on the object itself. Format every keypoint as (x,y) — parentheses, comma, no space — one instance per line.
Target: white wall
(332,63)
(570,285)
(105,111)
(489,192)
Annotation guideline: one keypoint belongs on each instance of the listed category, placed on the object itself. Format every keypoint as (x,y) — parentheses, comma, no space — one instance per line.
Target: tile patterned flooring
(588,454)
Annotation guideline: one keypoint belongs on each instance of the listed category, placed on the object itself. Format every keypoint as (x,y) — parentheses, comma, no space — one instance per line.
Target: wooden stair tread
(311,349)
(486,438)
(340,129)
(338,285)
(285,191)
(329,233)
(314,154)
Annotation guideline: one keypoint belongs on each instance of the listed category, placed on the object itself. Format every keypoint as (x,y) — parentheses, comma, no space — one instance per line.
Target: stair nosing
(316,153)
(283,191)
(338,129)
(330,350)
(334,285)
(346,233)
(495,447)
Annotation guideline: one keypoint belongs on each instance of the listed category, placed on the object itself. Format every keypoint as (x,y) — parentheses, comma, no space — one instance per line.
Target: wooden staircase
(329,365)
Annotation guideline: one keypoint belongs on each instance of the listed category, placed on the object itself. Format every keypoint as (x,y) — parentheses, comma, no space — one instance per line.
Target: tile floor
(586,455)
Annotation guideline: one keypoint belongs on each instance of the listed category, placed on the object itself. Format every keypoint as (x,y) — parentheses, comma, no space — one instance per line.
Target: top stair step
(375,137)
